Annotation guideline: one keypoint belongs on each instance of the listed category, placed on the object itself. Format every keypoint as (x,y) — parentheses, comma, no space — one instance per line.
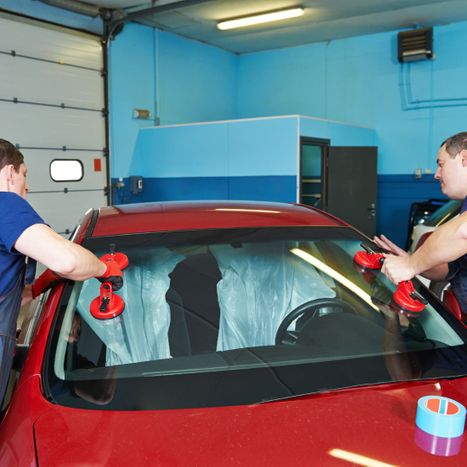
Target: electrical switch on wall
(136,184)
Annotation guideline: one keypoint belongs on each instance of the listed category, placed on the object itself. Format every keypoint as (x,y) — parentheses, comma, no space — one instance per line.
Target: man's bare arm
(447,243)
(66,258)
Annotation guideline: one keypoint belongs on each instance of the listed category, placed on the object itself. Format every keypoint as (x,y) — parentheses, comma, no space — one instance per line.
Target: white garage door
(52,109)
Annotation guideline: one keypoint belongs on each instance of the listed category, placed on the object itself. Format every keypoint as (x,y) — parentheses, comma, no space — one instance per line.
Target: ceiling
(323,20)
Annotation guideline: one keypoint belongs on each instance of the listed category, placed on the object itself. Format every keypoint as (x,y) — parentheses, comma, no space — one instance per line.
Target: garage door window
(66,170)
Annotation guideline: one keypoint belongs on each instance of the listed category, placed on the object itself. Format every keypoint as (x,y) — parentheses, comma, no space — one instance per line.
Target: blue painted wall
(177,79)
(131,85)
(196,82)
(252,159)
(358,80)
(249,147)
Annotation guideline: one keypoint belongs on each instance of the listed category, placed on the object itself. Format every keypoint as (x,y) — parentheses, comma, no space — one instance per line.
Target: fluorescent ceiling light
(260,18)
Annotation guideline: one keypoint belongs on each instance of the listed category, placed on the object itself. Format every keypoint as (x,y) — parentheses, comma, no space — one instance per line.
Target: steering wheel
(308,308)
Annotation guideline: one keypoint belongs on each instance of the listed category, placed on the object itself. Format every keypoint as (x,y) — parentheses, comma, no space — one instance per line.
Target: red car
(249,336)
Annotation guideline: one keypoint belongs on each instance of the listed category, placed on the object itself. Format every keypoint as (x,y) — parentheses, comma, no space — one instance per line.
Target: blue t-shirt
(16,215)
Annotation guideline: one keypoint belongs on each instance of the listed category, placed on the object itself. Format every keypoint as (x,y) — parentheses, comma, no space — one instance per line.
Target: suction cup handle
(416,296)
(408,298)
(107,305)
(369,260)
(105,296)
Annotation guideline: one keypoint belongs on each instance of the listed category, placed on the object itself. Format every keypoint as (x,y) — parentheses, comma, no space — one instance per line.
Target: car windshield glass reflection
(226,317)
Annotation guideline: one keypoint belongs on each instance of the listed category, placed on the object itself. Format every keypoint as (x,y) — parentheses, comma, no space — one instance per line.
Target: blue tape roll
(440,416)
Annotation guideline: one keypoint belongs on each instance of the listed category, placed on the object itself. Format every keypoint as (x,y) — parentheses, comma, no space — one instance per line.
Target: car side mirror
(451,303)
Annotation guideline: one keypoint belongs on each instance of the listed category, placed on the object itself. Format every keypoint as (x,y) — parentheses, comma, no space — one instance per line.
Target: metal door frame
(324,144)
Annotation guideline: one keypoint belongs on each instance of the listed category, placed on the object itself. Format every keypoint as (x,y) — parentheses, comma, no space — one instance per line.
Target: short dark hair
(9,154)
(456,143)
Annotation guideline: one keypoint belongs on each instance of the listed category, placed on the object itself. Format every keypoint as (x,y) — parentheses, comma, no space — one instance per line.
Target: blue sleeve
(16,216)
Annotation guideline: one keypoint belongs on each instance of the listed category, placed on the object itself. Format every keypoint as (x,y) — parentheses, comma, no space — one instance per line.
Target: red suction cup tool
(408,299)
(369,260)
(405,296)
(107,305)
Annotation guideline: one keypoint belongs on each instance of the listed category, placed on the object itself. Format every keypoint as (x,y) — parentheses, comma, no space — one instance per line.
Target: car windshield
(242,316)
(444,213)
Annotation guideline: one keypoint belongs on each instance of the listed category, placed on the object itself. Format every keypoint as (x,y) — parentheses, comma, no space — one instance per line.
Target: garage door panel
(38,164)
(38,126)
(74,87)
(49,44)
(43,128)
(65,220)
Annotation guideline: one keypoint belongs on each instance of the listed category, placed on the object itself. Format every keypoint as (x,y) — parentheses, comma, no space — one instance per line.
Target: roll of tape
(440,416)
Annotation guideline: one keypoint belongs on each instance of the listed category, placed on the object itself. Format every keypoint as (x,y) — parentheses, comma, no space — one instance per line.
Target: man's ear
(464,157)
(10,169)
(5,177)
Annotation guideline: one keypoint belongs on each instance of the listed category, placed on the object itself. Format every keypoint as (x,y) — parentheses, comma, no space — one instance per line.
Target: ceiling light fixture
(260,18)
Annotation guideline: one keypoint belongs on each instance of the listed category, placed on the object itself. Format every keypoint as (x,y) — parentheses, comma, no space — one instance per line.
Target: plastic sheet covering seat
(260,285)
(140,333)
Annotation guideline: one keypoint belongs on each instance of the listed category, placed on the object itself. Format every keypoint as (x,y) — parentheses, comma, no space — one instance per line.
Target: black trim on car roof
(92,224)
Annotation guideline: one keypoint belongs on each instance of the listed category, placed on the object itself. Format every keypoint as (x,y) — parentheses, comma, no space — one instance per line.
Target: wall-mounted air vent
(415,45)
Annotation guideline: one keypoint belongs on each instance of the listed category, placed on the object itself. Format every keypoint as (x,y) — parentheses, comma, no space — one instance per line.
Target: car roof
(196,215)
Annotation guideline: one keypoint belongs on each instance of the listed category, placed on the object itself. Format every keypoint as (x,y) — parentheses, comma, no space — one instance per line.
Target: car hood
(377,423)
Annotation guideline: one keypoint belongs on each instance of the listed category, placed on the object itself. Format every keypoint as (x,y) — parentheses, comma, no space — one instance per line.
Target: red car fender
(17,446)
(17,442)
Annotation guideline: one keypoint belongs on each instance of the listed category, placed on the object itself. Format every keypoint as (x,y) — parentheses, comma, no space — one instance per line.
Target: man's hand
(113,274)
(398,268)
(386,244)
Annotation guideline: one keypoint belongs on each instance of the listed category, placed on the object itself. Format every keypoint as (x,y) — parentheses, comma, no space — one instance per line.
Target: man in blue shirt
(444,255)
(24,239)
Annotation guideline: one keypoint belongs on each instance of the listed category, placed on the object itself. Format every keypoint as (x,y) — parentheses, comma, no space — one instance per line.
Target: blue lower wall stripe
(266,188)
